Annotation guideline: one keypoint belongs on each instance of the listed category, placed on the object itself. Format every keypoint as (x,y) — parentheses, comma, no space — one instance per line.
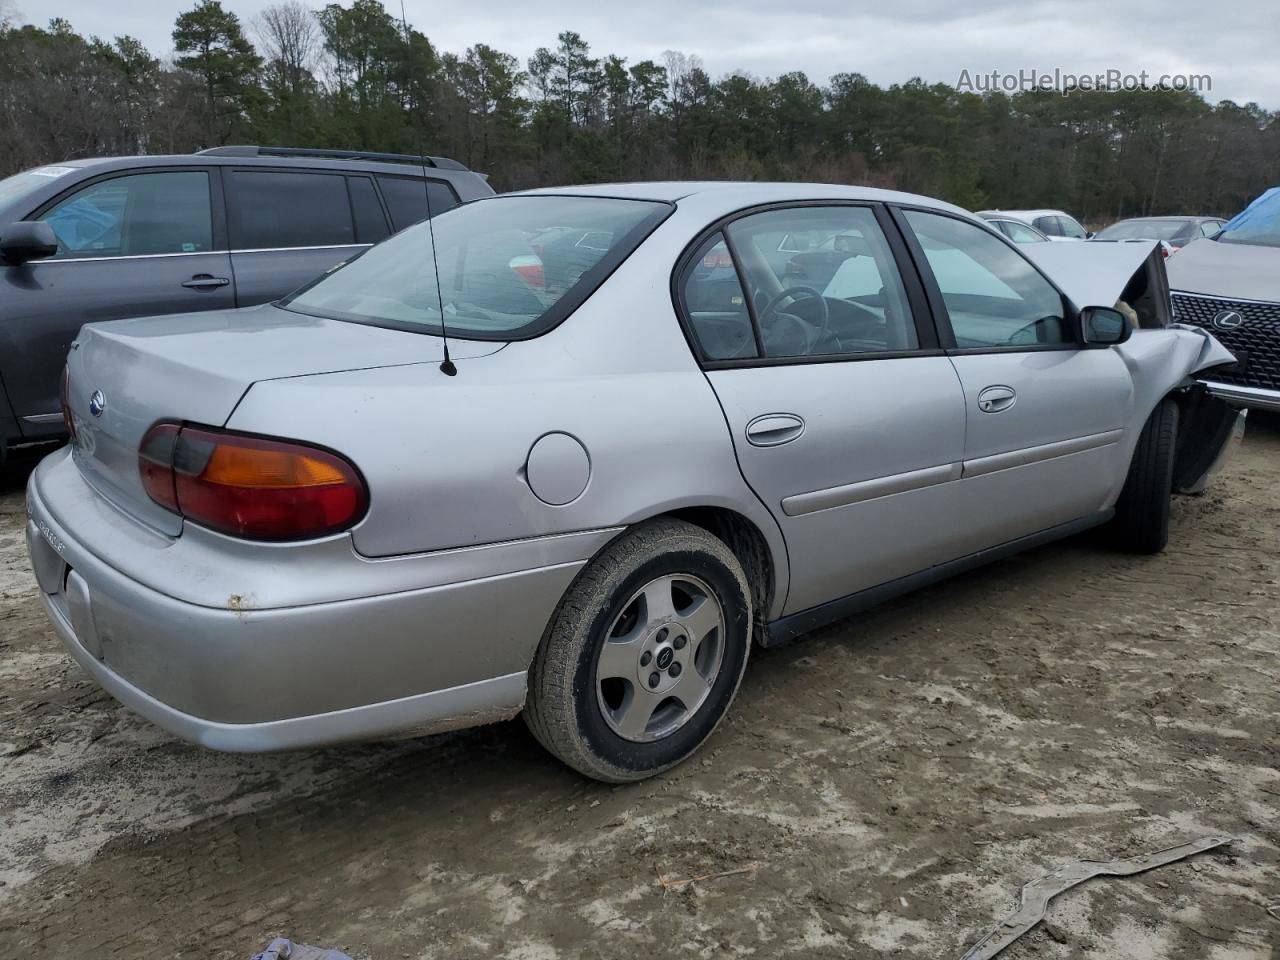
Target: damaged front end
(1131,277)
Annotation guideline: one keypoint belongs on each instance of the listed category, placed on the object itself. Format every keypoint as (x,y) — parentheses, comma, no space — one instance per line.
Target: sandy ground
(888,784)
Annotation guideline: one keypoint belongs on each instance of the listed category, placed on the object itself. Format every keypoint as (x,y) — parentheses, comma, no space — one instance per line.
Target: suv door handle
(996,398)
(201,280)
(774,429)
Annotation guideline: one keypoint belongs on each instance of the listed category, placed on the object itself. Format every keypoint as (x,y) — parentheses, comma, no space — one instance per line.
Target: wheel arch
(762,555)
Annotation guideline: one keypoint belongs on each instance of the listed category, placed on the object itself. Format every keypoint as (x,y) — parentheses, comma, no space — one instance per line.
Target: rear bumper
(1255,398)
(239,678)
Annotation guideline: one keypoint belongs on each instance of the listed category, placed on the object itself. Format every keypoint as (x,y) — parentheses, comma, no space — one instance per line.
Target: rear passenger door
(847,418)
(1044,416)
(290,226)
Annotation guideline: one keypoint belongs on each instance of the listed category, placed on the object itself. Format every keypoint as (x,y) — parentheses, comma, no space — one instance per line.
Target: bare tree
(289,40)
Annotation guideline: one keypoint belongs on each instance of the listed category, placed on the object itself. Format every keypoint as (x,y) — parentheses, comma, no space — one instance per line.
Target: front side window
(507,266)
(271,209)
(831,289)
(136,215)
(1070,228)
(994,297)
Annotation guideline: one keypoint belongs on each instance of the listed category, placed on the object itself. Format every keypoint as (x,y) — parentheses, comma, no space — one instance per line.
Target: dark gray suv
(102,239)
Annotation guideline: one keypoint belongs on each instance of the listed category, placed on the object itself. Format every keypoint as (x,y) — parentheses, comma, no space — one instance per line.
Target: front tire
(1141,523)
(644,655)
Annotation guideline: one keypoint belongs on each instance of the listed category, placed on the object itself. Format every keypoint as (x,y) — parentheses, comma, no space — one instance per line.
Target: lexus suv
(1230,285)
(104,239)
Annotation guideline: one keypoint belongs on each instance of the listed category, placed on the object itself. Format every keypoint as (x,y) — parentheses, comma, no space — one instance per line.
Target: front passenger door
(129,245)
(1043,415)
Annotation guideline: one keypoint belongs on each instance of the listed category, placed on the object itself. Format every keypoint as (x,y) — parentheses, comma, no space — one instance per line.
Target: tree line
(356,77)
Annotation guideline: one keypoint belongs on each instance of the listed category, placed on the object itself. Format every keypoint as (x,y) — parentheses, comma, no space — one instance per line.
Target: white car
(1054,224)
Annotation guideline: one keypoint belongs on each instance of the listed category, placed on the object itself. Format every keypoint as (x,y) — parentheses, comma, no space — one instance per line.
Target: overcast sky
(1233,41)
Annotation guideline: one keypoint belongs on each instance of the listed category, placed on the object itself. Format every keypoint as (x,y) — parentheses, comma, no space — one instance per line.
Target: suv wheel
(644,654)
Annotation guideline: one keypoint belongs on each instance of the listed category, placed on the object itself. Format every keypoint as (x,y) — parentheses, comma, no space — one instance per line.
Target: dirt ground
(884,787)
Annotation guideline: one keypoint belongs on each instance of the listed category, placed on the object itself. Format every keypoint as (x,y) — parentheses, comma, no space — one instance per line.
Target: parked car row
(669,422)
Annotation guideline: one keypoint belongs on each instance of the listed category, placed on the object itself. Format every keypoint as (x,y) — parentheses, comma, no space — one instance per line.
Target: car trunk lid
(125,376)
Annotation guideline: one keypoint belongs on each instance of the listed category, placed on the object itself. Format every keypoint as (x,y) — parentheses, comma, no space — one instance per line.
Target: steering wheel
(779,298)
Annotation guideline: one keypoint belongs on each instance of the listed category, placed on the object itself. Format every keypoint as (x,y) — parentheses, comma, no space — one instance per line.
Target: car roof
(734,195)
(1029,214)
(1170,217)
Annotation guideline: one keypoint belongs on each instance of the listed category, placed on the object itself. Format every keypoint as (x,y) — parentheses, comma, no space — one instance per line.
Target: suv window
(371,222)
(407,199)
(277,208)
(841,295)
(994,297)
(716,306)
(143,213)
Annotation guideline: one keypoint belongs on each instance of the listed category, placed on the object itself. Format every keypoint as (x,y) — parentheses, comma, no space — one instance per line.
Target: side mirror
(1090,235)
(1103,327)
(27,240)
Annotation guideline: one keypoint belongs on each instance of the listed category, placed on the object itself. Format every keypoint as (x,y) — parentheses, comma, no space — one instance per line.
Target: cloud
(888,42)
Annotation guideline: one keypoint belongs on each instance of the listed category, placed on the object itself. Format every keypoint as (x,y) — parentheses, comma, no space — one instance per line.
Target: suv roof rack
(441,163)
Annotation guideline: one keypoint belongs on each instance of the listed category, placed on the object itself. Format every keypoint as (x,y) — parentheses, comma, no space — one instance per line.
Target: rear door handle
(201,280)
(996,398)
(774,429)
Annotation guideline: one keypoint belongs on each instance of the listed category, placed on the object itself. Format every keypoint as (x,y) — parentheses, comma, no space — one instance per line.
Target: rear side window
(506,266)
(371,223)
(135,215)
(994,297)
(716,305)
(1020,232)
(407,199)
(1049,226)
(272,209)
(831,289)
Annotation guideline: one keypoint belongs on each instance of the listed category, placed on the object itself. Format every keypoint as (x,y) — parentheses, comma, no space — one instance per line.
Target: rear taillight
(249,486)
(67,419)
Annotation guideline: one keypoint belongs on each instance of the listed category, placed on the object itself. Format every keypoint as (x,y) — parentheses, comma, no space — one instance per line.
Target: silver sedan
(573,452)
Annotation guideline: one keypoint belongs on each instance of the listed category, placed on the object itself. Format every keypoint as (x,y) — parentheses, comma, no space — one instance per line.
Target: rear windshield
(508,267)
(1258,224)
(1143,230)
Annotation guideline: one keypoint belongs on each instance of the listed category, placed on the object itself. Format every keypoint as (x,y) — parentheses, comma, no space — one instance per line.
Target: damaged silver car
(573,452)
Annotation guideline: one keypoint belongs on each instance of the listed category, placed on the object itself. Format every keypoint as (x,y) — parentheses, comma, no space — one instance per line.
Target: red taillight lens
(249,486)
(66,406)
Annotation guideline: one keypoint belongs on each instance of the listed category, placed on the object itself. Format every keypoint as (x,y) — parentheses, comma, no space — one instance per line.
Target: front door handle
(997,398)
(202,280)
(774,429)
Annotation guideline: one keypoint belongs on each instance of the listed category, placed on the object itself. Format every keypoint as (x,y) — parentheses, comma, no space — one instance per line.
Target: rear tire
(644,655)
(1141,523)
